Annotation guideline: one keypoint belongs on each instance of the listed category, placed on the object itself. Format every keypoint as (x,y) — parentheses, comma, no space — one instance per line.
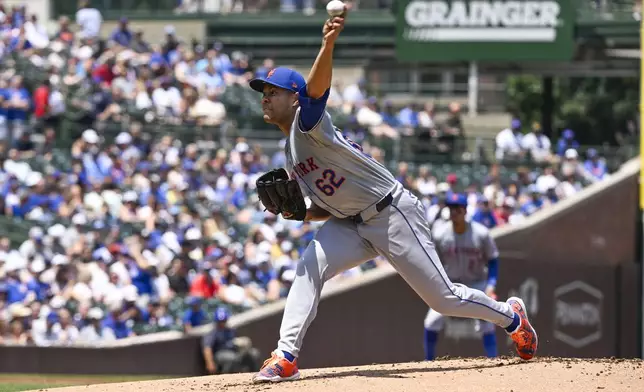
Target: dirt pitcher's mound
(451,375)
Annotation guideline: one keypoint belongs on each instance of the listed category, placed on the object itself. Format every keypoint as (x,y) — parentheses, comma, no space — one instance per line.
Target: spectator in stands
(426,117)
(17,331)
(194,316)
(537,144)
(267,65)
(355,93)
(166,98)
(408,116)
(206,108)
(209,79)
(547,180)
(122,34)
(508,142)
(138,42)
(484,214)
(89,19)
(24,145)
(389,115)
(508,213)
(453,132)
(367,115)
(171,42)
(569,184)
(534,201)
(567,142)
(116,321)
(46,332)
(64,33)
(571,162)
(425,182)
(94,332)
(595,166)
(19,104)
(204,285)
(41,100)
(68,333)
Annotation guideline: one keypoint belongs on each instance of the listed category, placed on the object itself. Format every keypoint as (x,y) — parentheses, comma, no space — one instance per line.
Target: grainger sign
(467,30)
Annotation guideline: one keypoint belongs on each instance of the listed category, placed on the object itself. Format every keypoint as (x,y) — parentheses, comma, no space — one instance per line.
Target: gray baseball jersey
(465,256)
(334,171)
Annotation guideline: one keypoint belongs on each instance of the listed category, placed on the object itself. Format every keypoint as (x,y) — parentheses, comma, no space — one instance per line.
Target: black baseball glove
(279,194)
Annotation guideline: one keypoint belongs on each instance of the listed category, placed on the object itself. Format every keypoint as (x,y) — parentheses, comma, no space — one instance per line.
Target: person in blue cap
(470,256)
(122,34)
(223,351)
(566,142)
(194,316)
(366,212)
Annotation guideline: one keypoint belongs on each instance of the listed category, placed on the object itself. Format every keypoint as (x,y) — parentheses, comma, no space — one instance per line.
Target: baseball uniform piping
(441,275)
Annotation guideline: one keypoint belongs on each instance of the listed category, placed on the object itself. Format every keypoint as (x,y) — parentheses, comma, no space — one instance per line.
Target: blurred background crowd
(137,225)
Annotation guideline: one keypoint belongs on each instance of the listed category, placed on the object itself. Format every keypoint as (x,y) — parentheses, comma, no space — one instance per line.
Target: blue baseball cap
(456,199)
(281,77)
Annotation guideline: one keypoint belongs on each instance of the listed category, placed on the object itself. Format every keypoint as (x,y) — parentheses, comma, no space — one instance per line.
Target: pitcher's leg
(336,248)
(402,234)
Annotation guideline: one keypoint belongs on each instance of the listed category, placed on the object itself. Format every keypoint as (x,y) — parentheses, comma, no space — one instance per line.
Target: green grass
(26,382)
(8,387)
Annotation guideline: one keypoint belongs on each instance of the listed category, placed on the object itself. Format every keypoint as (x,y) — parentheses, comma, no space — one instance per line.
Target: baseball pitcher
(366,212)
(469,256)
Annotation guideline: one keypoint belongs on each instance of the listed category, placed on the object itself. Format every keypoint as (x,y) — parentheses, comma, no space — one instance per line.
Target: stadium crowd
(146,232)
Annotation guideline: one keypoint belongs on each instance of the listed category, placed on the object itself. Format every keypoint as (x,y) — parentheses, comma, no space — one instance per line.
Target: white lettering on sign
(482,20)
(579,314)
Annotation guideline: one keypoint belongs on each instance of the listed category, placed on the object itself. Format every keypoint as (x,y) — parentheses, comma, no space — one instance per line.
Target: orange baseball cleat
(277,369)
(525,337)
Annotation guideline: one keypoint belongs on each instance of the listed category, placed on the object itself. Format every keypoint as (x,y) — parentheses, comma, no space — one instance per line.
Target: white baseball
(335,8)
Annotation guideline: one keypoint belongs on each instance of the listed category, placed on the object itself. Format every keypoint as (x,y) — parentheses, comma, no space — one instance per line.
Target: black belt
(381,205)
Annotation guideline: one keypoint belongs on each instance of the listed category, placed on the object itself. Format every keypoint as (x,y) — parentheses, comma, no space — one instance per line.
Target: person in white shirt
(426,116)
(368,116)
(36,33)
(515,216)
(167,99)
(537,144)
(89,20)
(425,183)
(569,184)
(47,332)
(208,109)
(547,180)
(142,98)
(335,98)
(508,142)
(68,331)
(354,92)
(94,333)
